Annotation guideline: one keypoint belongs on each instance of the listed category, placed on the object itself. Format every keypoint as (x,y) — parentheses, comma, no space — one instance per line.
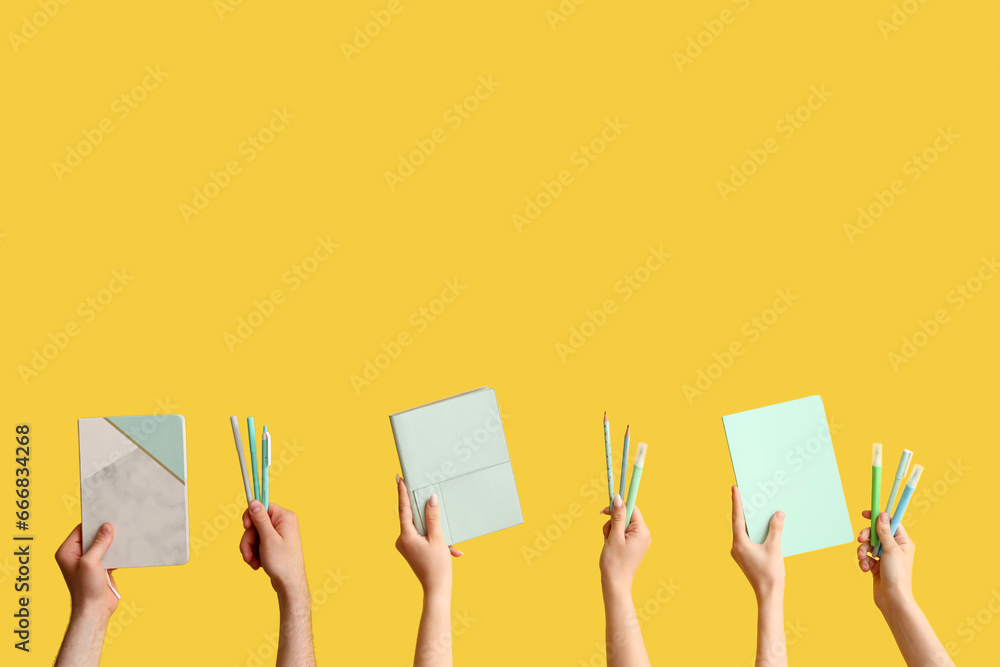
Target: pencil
(607,452)
(239,452)
(621,483)
(253,458)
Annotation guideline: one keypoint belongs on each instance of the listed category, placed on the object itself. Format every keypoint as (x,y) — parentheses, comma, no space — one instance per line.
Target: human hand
(892,573)
(272,540)
(85,575)
(624,546)
(762,564)
(429,557)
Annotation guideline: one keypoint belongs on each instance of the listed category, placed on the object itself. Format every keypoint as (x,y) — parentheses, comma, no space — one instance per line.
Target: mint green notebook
(456,448)
(784,460)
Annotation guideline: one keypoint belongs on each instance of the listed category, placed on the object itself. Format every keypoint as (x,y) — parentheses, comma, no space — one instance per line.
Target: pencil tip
(605,415)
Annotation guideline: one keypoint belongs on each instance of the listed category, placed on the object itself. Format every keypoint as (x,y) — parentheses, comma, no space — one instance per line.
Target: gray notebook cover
(455,448)
(783,459)
(133,473)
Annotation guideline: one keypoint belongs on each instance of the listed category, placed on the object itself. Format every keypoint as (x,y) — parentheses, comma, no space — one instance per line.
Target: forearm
(771,650)
(295,642)
(81,647)
(915,637)
(434,635)
(623,637)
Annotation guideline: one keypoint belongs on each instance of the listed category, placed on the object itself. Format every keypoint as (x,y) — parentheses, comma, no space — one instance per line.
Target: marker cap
(915,476)
(640,454)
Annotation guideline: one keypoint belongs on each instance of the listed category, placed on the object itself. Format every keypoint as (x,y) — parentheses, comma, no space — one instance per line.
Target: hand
(429,557)
(762,564)
(85,575)
(624,546)
(272,541)
(893,572)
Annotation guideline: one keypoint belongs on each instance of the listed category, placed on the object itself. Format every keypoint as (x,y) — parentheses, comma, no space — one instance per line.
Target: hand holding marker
(633,490)
(904,499)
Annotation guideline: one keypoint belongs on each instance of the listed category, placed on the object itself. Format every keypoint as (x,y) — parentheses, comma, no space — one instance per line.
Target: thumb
(617,517)
(885,534)
(262,521)
(774,528)
(432,517)
(102,542)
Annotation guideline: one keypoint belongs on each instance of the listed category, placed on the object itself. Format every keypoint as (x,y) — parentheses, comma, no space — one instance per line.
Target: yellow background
(161,340)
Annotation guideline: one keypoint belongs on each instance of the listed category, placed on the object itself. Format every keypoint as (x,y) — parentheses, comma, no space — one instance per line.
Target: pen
(621,484)
(876,488)
(607,452)
(253,458)
(239,453)
(904,500)
(633,487)
(904,463)
(265,464)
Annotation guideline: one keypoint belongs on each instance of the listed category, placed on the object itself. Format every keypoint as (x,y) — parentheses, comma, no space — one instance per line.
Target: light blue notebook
(783,459)
(455,448)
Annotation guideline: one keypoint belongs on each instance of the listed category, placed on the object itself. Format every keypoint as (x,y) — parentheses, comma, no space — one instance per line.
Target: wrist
(294,592)
(614,587)
(94,613)
(769,594)
(897,605)
(437,593)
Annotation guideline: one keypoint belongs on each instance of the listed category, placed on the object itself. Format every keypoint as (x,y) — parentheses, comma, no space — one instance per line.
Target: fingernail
(781,515)
(105,529)
(434,500)
(460,553)
(883,517)
(618,500)
(397,478)
(602,510)
(255,506)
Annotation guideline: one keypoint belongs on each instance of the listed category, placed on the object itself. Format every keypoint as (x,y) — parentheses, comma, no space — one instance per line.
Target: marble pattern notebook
(133,473)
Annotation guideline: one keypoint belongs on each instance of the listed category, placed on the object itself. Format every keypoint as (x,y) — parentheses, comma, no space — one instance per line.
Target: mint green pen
(876,489)
(253,458)
(633,487)
(265,464)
